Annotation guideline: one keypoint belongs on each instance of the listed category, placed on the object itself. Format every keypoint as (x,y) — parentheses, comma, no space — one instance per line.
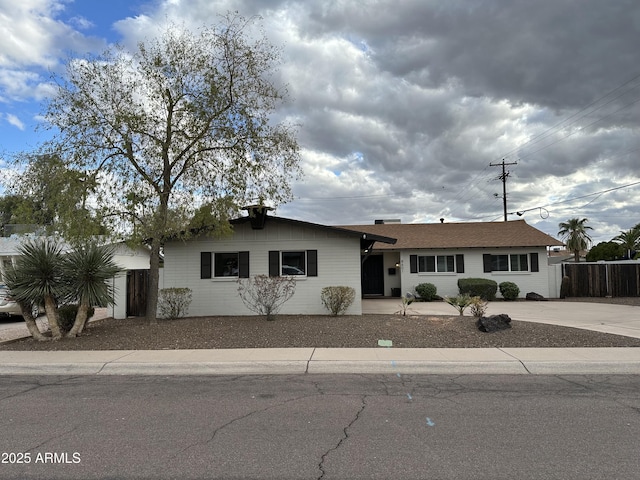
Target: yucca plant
(37,279)
(87,272)
(29,311)
(44,275)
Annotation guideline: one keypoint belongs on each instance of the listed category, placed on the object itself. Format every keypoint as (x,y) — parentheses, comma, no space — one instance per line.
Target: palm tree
(36,279)
(574,232)
(87,272)
(629,240)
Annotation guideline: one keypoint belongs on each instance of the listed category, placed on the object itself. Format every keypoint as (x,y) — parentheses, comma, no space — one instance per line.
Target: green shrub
(174,302)
(478,287)
(67,316)
(427,291)
(509,290)
(337,299)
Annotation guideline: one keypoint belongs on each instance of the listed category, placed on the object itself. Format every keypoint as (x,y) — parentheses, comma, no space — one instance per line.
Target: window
(499,263)
(224,264)
(436,263)
(294,263)
(439,263)
(521,262)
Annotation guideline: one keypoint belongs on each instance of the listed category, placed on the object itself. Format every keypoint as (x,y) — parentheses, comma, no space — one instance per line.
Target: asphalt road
(321,426)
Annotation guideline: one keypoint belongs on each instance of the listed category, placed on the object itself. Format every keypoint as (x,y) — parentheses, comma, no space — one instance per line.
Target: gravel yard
(319,331)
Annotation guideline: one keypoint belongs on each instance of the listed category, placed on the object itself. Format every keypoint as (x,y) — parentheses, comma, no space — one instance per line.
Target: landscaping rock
(494,323)
(535,297)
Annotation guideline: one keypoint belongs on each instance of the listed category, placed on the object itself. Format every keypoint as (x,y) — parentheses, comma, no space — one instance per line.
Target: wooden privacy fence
(603,279)
(137,286)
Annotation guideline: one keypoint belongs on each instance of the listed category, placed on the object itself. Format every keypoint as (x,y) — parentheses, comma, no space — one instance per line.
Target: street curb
(325,367)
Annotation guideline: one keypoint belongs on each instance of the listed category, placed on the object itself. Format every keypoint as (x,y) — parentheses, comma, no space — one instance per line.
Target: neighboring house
(442,253)
(317,256)
(130,260)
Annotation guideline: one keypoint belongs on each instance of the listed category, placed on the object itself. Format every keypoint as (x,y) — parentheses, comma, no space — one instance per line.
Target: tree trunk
(81,320)
(154,280)
(51,309)
(32,325)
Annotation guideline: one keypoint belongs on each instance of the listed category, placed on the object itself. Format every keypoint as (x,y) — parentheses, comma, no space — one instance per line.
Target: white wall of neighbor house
(447,282)
(338,260)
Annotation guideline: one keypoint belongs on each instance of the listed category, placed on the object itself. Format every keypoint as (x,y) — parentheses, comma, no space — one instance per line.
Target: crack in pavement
(60,435)
(37,385)
(238,419)
(342,440)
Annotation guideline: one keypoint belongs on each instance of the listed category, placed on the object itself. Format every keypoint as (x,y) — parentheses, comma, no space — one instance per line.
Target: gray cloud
(402,106)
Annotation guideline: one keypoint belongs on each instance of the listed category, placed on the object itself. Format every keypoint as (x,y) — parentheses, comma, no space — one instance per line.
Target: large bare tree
(186,119)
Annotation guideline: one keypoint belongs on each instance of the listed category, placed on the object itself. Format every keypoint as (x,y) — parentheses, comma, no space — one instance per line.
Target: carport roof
(516,233)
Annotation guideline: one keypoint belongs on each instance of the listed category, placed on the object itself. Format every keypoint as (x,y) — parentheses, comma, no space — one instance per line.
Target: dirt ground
(324,331)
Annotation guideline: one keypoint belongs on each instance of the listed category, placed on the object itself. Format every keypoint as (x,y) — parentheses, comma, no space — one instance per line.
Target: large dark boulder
(494,323)
(535,297)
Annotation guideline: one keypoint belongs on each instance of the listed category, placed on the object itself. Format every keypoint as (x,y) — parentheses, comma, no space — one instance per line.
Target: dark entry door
(137,284)
(373,275)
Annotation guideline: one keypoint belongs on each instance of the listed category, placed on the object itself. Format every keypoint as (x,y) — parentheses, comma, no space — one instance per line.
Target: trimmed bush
(426,291)
(478,287)
(174,302)
(337,299)
(67,316)
(509,290)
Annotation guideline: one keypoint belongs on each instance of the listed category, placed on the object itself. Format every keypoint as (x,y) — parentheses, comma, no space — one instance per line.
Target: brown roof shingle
(516,233)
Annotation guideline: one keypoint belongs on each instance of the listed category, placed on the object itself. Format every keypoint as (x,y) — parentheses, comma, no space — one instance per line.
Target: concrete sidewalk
(618,319)
(456,361)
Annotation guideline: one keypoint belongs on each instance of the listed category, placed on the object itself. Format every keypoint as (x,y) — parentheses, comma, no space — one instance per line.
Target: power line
(556,127)
(520,212)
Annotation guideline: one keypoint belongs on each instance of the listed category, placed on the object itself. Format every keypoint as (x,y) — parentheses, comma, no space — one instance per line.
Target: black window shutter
(459,263)
(243,264)
(486,262)
(413,263)
(312,263)
(205,264)
(274,263)
(535,267)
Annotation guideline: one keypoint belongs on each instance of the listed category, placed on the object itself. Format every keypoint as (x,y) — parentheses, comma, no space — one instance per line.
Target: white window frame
(283,264)
(436,263)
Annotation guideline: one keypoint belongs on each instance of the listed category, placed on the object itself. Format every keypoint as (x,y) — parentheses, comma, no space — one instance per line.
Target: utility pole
(503,177)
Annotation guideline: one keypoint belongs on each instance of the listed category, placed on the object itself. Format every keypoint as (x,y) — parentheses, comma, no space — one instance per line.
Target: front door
(373,275)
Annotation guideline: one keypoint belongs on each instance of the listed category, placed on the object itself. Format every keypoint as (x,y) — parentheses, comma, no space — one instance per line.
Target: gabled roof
(516,233)
(364,235)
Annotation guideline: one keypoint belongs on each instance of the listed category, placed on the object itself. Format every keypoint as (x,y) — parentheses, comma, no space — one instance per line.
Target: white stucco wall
(447,283)
(338,264)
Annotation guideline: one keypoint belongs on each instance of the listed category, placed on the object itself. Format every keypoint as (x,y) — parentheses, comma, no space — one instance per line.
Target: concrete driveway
(600,317)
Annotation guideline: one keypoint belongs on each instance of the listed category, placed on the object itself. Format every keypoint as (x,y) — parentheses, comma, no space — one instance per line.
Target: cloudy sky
(403,105)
